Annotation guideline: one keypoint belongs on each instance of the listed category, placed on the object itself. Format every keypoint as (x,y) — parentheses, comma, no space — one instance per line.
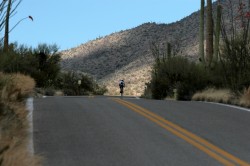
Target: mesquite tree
(235,55)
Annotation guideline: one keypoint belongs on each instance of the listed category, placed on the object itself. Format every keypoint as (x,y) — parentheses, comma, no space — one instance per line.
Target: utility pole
(6,33)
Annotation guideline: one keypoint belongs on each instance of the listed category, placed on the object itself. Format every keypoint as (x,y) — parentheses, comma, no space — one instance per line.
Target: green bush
(69,92)
(235,61)
(50,91)
(41,63)
(69,83)
(100,90)
(177,73)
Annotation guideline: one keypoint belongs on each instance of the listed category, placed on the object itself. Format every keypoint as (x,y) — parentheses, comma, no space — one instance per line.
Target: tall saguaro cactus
(217,33)
(209,33)
(201,44)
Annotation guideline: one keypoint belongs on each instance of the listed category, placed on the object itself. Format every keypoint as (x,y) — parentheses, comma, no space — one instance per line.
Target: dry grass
(20,157)
(16,87)
(215,95)
(245,98)
(13,121)
(59,93)
(224,96)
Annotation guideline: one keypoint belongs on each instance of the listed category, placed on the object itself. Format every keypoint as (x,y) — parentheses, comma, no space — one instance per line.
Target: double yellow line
(213,151)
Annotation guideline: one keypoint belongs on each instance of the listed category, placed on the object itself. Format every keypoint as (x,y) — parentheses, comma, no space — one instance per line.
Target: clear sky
(73,22)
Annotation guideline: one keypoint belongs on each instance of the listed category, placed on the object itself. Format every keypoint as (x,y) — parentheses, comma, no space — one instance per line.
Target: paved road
(104,131)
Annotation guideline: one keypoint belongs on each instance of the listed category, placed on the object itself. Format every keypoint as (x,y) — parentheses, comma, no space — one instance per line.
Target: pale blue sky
(74,22)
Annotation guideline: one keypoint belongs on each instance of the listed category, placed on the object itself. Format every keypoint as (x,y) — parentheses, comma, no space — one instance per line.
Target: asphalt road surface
(109,131)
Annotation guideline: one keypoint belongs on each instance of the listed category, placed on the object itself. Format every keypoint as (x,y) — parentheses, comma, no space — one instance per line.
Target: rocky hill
(127,55)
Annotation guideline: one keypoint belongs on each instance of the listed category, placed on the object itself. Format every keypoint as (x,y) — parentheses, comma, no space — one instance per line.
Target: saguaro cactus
(201,44)
(209,33)
(169,50)
(217,33)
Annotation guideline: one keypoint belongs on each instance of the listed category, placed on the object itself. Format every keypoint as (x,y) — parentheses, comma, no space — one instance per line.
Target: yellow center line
(191,138)
(191,135)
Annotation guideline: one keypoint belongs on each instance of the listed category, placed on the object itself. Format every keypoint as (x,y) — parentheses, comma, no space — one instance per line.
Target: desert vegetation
(222,75)
(78,83)
(24,72)
(157,61)
(122,54)
(43,64)
(175,76)
(14,89)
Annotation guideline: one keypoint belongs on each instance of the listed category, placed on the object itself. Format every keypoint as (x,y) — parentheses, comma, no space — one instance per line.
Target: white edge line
(227,105)
(30,108)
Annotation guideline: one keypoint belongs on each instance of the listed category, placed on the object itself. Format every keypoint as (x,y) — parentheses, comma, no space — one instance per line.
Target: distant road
(106,131)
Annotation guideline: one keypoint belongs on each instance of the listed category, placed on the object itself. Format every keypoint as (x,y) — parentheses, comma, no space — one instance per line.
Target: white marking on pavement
(29,106)
(132,97)
(232,106)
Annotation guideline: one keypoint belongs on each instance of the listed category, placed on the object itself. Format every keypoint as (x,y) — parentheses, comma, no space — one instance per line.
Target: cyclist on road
(121,85)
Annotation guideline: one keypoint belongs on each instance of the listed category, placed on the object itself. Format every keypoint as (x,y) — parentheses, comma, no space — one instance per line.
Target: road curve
(106,131)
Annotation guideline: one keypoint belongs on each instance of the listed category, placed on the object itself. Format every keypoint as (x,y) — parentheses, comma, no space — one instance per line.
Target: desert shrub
(87,83)
(41,63)
(21,157)
(177,73)
(245,98)
(15,60)
(48,66)
(100,90)
(14,88)
(17,87)
(8,62)
(235,50)
(69,92)
(49,91)
(216,77)
(69,83)
(235,60)
(215,95)
(3,80)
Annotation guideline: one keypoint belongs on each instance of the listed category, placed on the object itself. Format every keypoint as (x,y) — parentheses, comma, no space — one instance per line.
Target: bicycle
(121,85)
(121,91)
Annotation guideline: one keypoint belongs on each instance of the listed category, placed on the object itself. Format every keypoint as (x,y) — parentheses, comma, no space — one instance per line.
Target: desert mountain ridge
(127,54)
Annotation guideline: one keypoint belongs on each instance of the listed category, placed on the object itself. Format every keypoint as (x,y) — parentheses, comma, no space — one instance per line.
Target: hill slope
(127,55)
